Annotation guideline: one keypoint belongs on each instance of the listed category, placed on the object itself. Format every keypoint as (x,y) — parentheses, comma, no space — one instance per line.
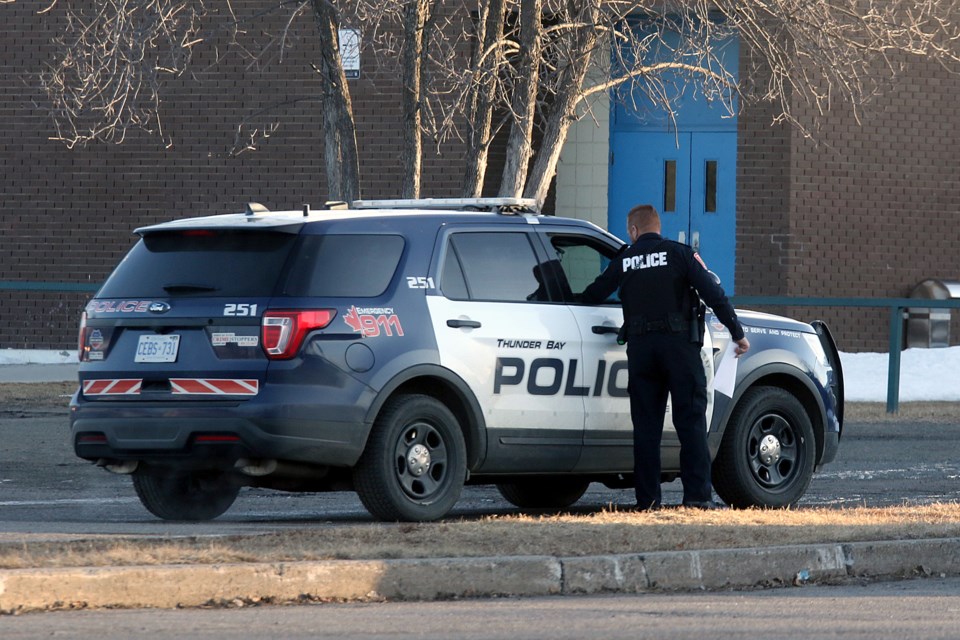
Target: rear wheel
(544,493)
(768,451)
(414,465)
(195,495)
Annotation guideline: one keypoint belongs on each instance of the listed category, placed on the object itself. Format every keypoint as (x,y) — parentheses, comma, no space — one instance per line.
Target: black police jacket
(655,277)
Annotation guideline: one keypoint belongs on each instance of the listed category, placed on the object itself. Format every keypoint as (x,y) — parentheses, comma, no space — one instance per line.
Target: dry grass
(940,412)
(36,395)
(607,532)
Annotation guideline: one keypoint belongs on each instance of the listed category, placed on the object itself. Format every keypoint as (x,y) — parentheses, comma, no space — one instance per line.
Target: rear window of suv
(201,262)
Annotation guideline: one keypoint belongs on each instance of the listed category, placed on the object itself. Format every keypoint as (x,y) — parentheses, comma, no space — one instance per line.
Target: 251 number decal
(414,282)
(240,310)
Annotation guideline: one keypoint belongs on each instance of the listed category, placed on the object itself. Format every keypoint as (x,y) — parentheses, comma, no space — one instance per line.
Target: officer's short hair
(643,216)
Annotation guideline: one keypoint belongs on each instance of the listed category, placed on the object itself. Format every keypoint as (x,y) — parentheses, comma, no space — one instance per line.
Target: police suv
(403,349)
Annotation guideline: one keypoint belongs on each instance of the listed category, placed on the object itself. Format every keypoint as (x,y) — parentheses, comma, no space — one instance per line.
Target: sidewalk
(434,578)
(38,373)
(29,365)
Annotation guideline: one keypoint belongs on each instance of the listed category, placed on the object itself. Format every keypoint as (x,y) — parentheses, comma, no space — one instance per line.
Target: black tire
(544,493)
(414,465)
(199,495)
(768,451)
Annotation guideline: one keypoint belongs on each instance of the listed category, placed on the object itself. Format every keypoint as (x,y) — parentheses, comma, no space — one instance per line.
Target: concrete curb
(434,578)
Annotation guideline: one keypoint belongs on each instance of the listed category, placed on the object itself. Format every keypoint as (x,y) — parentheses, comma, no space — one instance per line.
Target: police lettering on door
(645,261)
(553,376)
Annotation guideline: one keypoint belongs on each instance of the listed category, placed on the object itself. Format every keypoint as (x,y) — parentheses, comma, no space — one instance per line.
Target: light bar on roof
(476,204)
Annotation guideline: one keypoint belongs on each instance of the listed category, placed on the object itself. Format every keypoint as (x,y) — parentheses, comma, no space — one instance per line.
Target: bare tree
(481,91)
(417,20)
(800,53)
(339,130)
(580,40)
(529,66)
(523,104)
(113,57)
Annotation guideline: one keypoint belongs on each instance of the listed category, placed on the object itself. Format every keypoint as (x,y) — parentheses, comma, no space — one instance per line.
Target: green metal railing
(897,306)
(48,286)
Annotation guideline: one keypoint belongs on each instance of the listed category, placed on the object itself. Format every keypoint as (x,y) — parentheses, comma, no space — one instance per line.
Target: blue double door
(690,177)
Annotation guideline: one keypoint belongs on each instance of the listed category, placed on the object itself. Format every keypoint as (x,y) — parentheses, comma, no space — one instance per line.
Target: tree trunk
(485,70)
(340,137)
(563,111)
(523,104)
(415,18)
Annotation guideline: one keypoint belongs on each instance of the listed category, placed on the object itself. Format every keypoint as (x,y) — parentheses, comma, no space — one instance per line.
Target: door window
(581,259)
(494,267)
(669,186)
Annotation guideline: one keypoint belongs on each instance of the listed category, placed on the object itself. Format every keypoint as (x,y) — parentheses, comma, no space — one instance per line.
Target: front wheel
(414,465)
(768,451)
(195,495)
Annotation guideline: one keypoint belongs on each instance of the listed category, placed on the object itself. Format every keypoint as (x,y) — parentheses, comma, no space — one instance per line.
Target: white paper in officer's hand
(726,376)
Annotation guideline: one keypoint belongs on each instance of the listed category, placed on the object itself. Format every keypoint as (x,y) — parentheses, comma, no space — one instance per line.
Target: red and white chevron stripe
(214,387)
(122,387)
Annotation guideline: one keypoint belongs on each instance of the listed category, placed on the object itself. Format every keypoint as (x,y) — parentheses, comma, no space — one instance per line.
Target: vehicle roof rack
(499,205)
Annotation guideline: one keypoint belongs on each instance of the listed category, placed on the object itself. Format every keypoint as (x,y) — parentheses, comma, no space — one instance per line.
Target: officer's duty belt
(640,327)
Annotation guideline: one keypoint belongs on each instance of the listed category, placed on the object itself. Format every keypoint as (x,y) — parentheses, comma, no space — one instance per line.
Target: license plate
(153,348)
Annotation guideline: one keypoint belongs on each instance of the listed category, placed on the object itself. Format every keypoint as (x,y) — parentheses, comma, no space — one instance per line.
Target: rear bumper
(208,431)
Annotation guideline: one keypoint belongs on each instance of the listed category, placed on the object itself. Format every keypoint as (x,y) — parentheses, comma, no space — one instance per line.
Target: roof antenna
(256,207)
(306,210)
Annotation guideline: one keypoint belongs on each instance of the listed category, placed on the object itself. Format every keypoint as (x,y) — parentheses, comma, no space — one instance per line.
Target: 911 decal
(371,322)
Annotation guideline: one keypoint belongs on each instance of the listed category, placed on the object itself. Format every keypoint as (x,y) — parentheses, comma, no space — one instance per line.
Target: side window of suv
(491,266)
(581,260)
(344,265)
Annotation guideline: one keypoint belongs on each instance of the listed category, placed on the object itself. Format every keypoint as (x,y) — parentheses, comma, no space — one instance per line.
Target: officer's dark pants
(660,363)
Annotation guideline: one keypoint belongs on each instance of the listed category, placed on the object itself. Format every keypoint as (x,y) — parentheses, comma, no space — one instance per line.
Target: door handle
(682,237)
(696,241)
(463,324)
(605,328)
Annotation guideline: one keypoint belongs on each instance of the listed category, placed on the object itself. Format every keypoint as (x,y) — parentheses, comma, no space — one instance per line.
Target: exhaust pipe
(256,468)
(125,467)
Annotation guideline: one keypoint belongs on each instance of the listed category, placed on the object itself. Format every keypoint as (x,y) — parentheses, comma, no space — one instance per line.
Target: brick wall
(68,215)
(874,205)
(862,210)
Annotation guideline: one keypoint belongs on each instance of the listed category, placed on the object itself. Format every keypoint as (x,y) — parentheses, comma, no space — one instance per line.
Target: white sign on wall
(350,52)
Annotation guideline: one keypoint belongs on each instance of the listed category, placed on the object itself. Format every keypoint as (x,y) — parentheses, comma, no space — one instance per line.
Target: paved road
(45,489)
(928,608)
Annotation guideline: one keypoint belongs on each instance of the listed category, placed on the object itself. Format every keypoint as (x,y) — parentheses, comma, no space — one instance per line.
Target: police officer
(660,281)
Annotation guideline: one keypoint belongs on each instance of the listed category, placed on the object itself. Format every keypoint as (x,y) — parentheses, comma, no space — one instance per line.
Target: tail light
(82,338)
(282,332)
